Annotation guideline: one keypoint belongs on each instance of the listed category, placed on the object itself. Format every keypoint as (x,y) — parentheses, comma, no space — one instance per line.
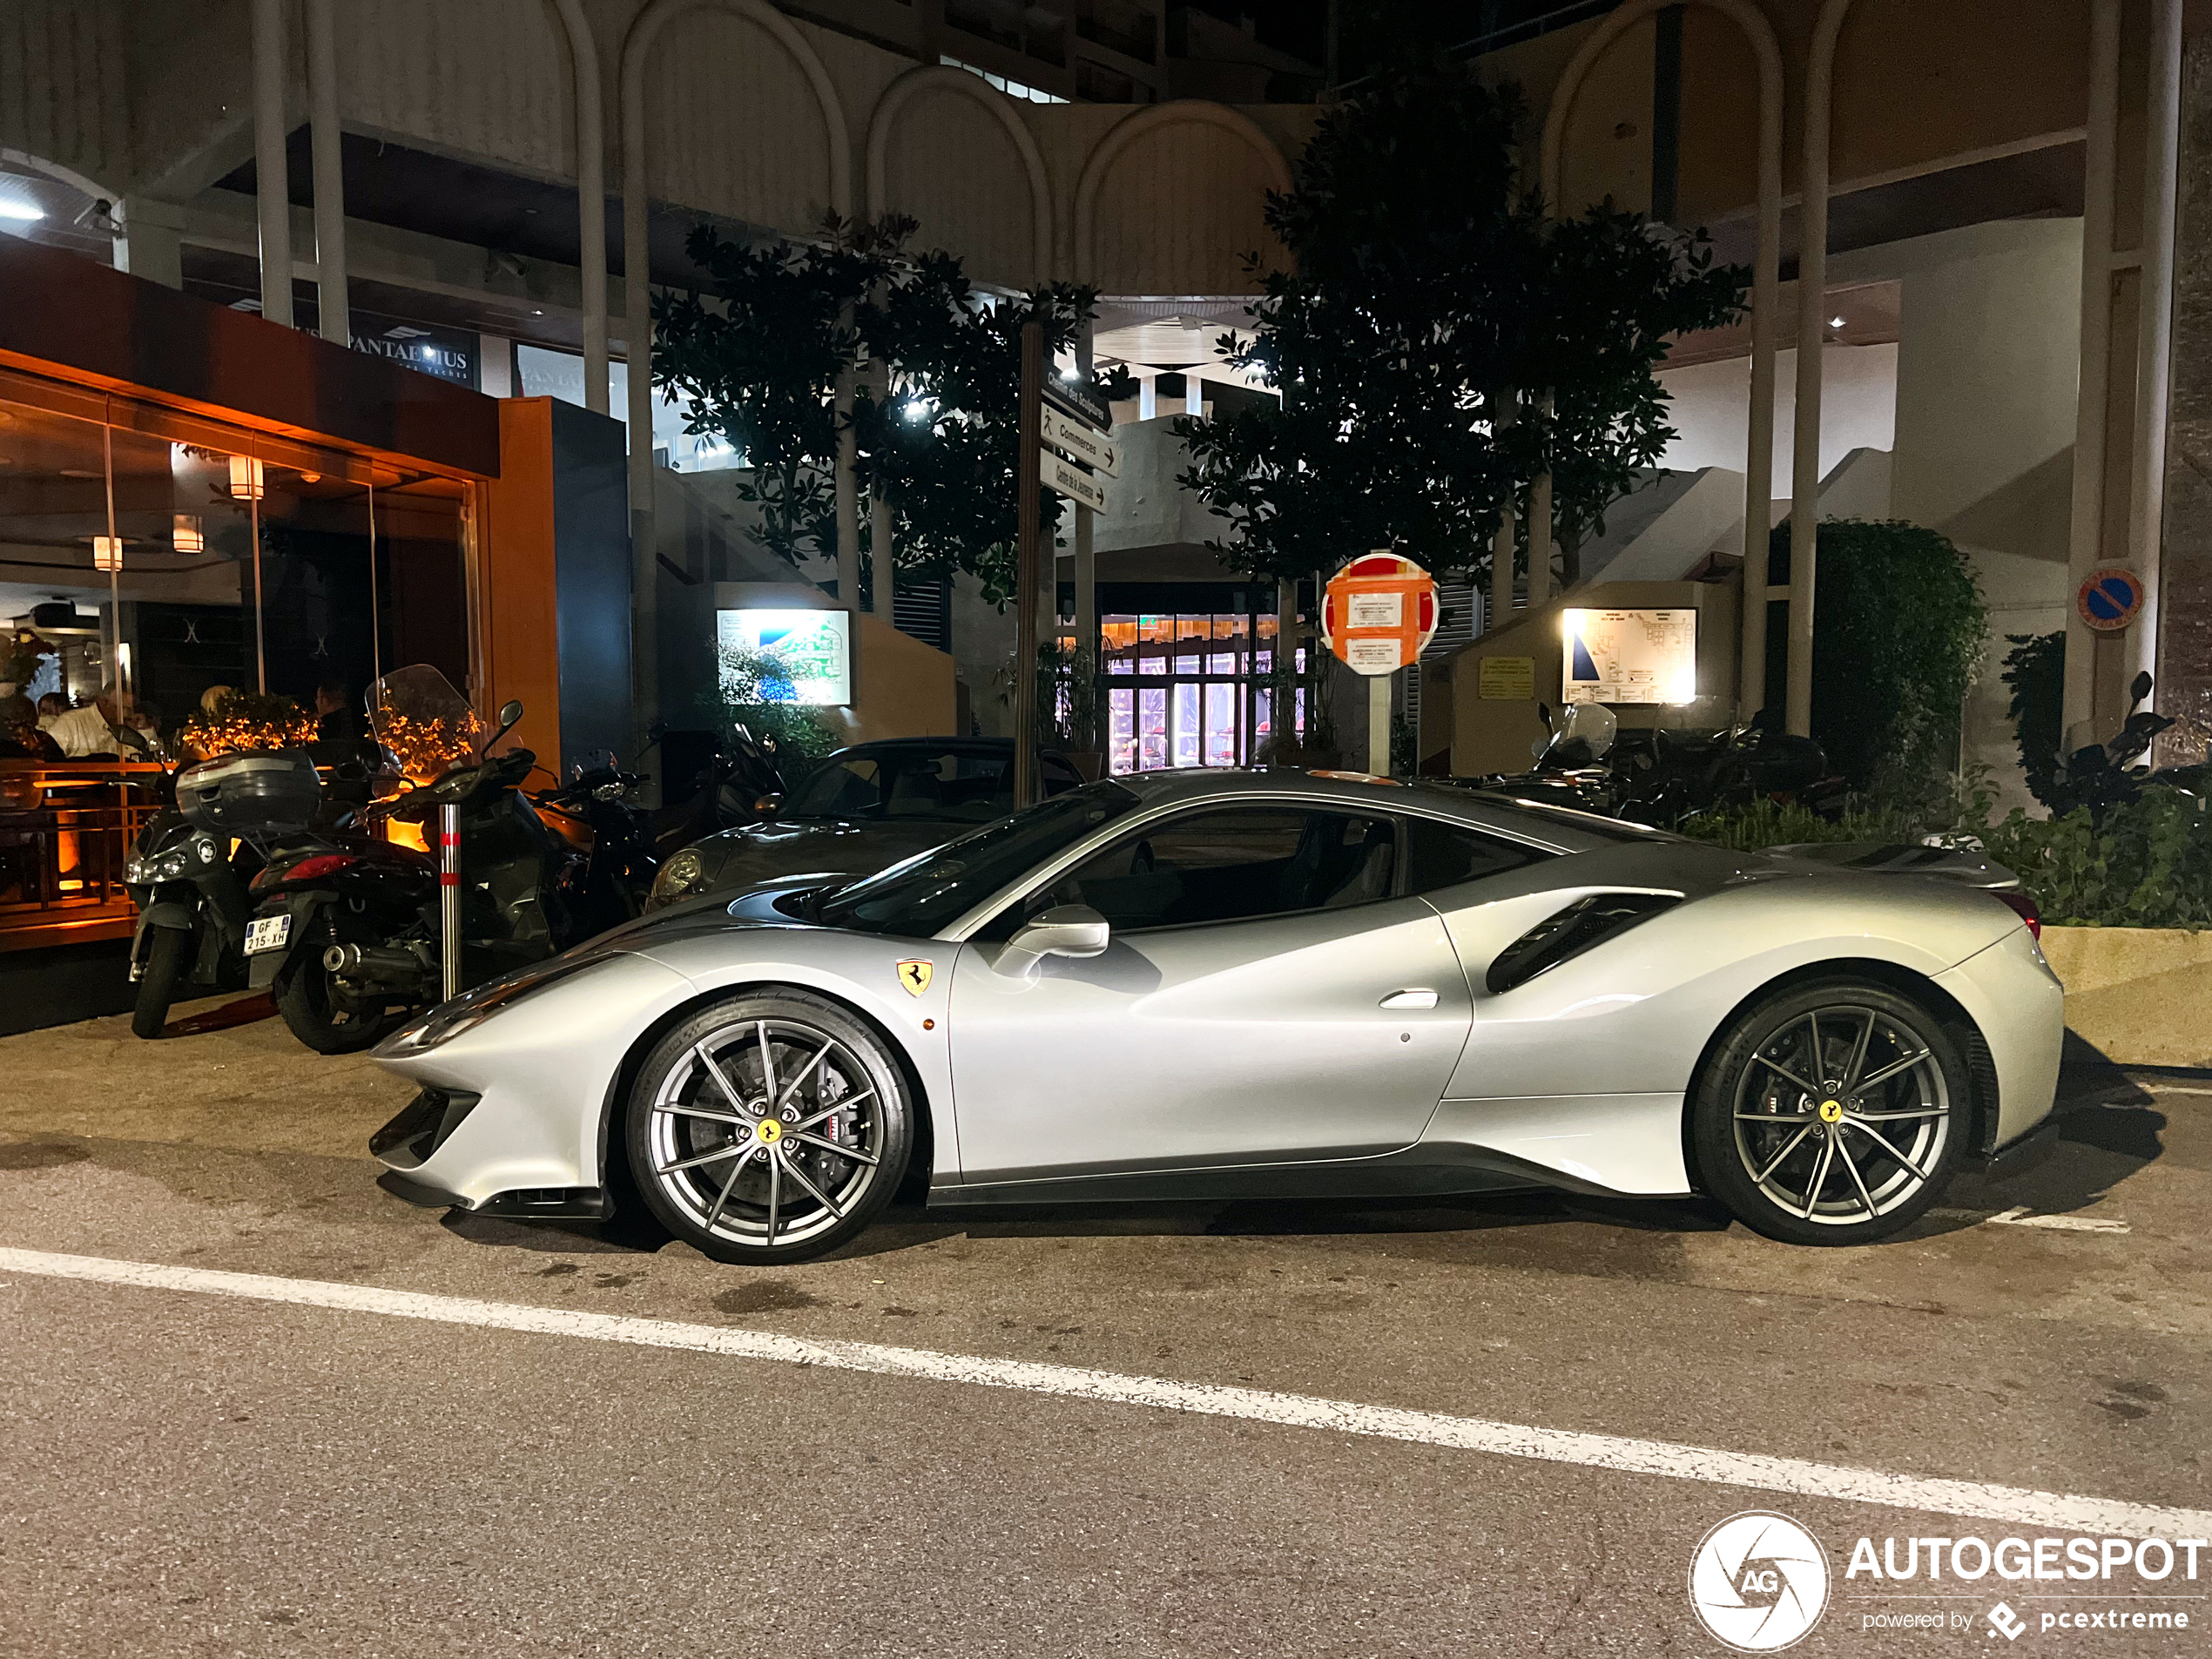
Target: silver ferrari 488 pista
(1213,985)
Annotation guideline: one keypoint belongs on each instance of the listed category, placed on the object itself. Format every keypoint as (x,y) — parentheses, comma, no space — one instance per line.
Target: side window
(1444,855)
(1235,863)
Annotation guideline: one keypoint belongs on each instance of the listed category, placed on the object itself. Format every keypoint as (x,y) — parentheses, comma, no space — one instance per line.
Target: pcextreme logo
(1759,1582)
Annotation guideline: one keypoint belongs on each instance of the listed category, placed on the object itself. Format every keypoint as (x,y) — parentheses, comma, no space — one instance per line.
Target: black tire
(304,1000)
(1853,1155)
(167,953)
(727,1177)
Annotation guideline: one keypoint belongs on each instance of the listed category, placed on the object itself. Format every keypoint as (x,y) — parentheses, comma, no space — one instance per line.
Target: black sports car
(862,809)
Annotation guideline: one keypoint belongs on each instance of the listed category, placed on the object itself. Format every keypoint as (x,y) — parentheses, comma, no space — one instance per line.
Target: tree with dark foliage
(761,355)
(1430,298)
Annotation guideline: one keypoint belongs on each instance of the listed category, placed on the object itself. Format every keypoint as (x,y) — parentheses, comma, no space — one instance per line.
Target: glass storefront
(170,587)
(1187,688)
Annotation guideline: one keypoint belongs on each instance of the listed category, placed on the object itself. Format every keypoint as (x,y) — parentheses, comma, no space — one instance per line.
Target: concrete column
(270,190)
(2154,344)
(152,243)
(333,308)
(1812,331)
(591,197)
(1501,549)
(2085,550)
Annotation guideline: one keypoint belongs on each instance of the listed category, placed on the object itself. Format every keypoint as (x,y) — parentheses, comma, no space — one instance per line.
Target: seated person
(20,738)
(90,732)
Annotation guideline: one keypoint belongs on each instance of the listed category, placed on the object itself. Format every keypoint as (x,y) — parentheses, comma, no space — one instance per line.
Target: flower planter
(2141,996)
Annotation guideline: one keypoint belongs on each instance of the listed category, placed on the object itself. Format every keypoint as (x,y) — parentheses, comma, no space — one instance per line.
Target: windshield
(416,714)
(963,788)
(915,898)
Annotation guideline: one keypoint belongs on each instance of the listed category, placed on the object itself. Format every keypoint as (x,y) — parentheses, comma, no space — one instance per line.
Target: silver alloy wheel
(1842,1114)
(767,1133)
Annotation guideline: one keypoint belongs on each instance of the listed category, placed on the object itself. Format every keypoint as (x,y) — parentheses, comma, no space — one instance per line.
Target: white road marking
(2015,1506)
(2020,1216)
(2163,1088)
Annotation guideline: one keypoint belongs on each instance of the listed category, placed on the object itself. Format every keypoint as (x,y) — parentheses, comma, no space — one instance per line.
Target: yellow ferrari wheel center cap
(769,1130)
(1831,1111)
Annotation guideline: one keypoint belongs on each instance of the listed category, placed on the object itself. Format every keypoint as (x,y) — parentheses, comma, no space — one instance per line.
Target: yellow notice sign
(1506,679)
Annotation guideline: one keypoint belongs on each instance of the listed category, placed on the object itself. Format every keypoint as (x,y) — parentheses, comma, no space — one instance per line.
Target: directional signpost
(1377,614)
(1064,448)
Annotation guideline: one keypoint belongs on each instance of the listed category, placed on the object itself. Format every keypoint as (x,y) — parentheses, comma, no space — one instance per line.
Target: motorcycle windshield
(417,715)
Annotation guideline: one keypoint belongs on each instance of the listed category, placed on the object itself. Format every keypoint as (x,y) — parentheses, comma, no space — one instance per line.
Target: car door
(1269,994)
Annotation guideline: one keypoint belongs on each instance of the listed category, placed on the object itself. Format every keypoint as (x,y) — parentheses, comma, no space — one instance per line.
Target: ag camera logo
(1759,1582)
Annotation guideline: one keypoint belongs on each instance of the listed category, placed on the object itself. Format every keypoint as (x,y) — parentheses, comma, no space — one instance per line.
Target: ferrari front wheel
(1831,1114)
(772,1127)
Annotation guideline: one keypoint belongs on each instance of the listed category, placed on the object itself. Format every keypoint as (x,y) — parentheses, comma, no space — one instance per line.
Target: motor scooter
(190,869)
(347,931)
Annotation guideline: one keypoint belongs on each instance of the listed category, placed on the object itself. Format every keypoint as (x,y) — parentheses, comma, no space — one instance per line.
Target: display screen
(811,652)
(1630,655)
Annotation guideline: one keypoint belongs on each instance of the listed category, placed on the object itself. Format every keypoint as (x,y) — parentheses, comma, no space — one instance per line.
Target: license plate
(270,932)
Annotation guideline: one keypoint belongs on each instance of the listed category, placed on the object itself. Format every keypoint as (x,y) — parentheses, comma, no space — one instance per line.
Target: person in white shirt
(88,730)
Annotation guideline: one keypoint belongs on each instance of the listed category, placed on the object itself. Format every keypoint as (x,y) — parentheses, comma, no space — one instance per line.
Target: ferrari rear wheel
(773,1127)
(1831,1114)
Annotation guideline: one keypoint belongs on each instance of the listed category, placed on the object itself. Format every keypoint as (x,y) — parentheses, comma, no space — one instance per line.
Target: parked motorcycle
(192,865)
(1660,777)
(741,783)
(347,929)
(2102,775)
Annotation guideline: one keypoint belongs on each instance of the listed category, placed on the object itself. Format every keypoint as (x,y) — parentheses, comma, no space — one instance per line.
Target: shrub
(2035,673)
(1899,627)
(2143,863)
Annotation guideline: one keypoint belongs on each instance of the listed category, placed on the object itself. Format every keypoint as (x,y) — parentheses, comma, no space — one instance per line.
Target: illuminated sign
(811,648)
(1628,656)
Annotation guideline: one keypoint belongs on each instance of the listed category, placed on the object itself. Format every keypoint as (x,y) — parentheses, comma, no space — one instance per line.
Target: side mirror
(767,804)
(509,711)
(1064,930)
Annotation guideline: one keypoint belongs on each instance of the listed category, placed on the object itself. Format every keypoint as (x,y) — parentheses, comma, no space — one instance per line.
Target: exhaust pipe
(375,965)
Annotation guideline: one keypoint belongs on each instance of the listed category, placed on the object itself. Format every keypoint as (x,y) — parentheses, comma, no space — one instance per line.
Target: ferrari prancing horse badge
(915,976)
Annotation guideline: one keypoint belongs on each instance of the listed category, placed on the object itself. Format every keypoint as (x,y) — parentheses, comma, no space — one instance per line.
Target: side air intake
(1566,934)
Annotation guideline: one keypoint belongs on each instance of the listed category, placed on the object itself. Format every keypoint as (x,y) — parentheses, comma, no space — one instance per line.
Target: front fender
(177,911)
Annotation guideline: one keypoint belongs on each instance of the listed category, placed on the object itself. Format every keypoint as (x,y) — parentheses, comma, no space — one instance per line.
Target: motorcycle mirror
(2141,688)
(509,711)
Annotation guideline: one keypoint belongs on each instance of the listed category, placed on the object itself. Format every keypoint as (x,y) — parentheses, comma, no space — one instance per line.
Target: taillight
(321,864)
(2027,912)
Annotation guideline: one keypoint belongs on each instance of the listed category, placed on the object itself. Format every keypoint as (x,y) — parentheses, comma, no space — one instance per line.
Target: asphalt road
(188,1470)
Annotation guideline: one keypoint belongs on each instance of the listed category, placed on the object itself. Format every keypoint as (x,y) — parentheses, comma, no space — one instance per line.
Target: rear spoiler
(1968,866)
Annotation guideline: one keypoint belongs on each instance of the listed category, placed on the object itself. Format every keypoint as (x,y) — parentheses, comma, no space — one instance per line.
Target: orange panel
(521,652)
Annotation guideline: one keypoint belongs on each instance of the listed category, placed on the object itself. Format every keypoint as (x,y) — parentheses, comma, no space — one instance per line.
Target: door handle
(1419,997)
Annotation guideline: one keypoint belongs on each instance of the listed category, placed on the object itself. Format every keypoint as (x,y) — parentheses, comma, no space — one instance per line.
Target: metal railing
(66,832)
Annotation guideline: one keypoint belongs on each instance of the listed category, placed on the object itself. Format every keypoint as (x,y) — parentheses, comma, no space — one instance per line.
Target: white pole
(1379,724)
(2085,542)
(271,195)
(449,900)
(334,310)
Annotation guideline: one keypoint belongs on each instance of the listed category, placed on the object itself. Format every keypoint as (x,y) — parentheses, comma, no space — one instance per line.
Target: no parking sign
(2109,600)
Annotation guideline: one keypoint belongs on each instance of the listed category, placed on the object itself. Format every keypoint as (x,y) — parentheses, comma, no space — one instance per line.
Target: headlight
(685,873)
(471,1008)
(168,865)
